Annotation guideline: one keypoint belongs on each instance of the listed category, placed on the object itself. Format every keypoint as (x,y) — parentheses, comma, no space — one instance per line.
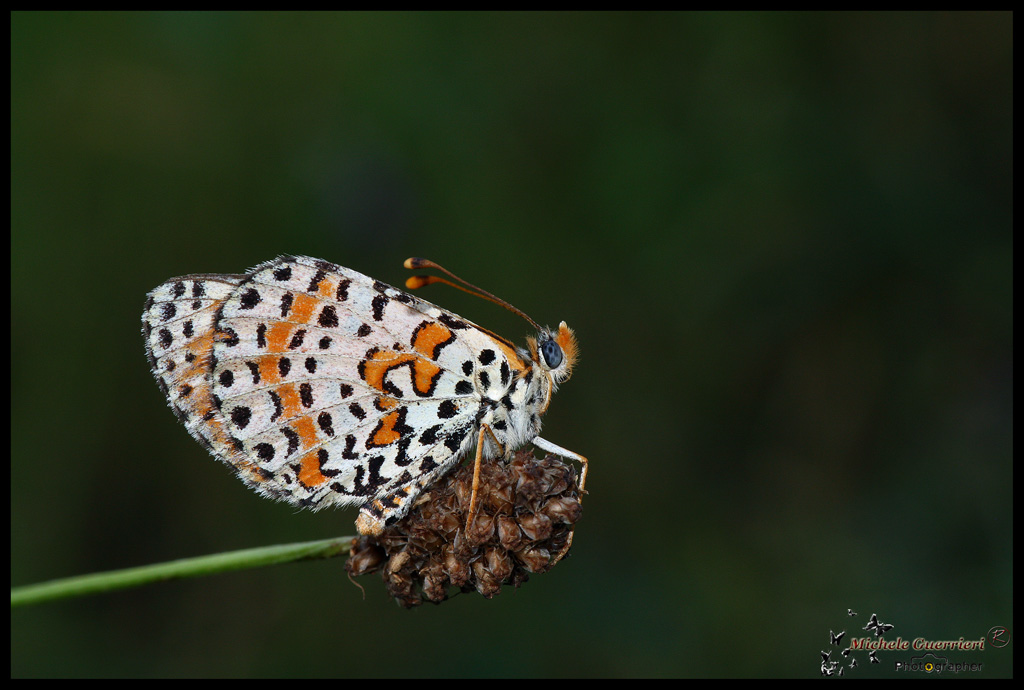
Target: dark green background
(784,242)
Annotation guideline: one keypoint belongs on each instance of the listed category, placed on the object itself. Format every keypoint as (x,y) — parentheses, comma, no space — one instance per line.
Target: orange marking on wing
(385,402)
(303,308)
(424,374)
(386,430)
(214,428)
(290,401)
(327,288)
(429,337)
(514,360)
(201,348)
(306,430)
(278,336)
(377,366)
(269,373)
(191,371)
(309,472)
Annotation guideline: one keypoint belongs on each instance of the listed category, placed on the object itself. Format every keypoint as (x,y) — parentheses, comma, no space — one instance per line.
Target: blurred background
(784,241)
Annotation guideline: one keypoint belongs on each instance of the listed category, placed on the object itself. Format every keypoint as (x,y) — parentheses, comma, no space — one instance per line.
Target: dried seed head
(526,509)
(364,557)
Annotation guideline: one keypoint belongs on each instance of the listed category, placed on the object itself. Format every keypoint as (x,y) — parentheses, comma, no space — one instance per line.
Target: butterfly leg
(550,447)
(484,430)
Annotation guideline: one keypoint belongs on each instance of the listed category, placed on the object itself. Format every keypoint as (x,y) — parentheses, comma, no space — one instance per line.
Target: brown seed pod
(526,509)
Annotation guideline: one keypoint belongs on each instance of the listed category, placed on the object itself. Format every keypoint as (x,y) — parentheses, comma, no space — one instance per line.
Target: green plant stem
(187,567)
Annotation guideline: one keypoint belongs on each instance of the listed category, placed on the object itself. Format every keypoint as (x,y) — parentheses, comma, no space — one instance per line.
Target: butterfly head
(555,351)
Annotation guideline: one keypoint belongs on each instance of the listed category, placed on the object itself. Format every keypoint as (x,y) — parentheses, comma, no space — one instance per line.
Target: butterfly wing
(178,324)
(325,387)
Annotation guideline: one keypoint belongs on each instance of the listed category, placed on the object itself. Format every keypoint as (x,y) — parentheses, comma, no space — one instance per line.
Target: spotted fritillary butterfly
(323,387)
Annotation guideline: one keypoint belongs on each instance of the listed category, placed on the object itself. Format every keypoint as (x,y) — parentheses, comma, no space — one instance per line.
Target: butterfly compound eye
(552,353)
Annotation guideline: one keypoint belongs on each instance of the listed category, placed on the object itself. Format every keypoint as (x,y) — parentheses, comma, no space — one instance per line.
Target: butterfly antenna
(416,282)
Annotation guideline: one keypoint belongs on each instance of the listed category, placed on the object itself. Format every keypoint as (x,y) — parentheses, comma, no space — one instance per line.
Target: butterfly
(321,386)
(876,625)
